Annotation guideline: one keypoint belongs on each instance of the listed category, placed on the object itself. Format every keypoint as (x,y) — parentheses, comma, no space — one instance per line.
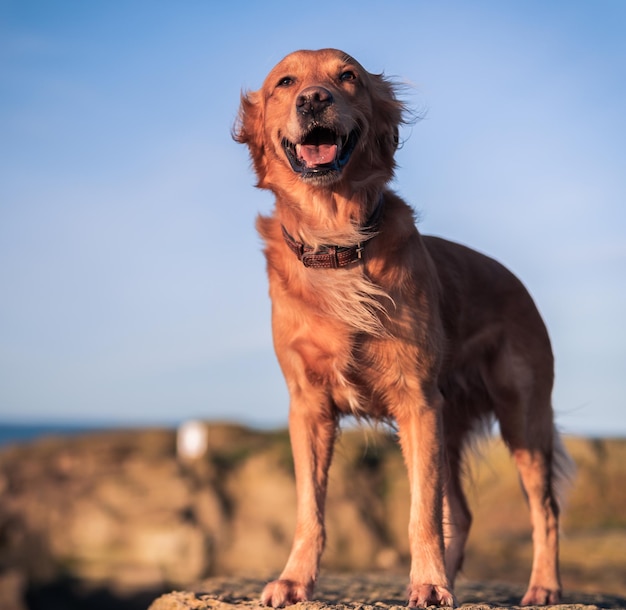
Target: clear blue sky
(132,284)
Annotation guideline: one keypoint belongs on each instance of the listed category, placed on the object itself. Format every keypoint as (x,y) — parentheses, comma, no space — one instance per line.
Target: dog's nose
(313,100)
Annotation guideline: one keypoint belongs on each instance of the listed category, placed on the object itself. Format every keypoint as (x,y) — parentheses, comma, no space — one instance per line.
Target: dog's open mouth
(321,152)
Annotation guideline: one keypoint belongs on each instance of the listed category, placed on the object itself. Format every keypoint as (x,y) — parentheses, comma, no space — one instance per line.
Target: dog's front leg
(420,432)
(312,437)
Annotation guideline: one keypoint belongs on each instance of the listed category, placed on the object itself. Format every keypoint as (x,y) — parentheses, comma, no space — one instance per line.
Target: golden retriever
(372,319)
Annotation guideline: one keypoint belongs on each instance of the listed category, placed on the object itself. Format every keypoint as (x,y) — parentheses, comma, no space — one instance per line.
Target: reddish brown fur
(423,331)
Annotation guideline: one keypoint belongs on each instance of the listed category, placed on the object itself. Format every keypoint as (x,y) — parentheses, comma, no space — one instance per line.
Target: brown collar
(331,256)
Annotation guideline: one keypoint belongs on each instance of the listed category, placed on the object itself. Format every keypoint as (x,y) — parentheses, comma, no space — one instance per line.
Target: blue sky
(132,284)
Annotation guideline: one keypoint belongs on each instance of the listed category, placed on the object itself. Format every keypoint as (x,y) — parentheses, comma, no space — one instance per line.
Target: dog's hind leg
(524,410)
(457,517)
(543,468)
(535,468)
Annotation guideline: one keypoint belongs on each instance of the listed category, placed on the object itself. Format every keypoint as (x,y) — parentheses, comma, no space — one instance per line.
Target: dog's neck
(327,217)
(333,256)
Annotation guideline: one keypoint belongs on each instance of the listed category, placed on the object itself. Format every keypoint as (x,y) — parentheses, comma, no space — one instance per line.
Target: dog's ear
(248,129)
(388,115)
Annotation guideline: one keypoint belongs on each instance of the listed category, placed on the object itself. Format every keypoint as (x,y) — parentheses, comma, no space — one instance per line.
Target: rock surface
(369,592)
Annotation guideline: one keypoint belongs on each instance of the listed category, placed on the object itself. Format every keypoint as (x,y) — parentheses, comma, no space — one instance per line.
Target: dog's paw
(540,596)
(421,596)
(279,593)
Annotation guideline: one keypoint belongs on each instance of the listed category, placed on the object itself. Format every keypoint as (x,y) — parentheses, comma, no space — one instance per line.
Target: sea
(12,433)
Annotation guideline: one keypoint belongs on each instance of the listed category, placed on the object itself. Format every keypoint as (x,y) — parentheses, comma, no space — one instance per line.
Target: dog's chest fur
(332,332)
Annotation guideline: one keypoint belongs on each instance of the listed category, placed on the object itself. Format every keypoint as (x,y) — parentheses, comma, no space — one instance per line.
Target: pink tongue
(317,155)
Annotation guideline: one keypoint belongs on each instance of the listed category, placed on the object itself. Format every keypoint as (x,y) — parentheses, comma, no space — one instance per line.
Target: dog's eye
(346,76)
(286,81)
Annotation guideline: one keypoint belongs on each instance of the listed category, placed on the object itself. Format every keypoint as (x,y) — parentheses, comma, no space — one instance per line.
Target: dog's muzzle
(322,153)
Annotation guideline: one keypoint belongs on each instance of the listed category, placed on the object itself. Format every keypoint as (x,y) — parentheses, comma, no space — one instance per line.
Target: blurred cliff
(112,519)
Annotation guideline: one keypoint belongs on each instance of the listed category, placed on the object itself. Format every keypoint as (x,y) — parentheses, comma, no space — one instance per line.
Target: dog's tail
(563,469)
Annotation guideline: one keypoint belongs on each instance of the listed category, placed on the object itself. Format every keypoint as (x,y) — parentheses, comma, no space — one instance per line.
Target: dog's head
(320,119)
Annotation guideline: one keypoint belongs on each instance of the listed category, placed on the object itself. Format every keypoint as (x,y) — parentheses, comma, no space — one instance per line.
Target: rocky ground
(364,592)
(114,519)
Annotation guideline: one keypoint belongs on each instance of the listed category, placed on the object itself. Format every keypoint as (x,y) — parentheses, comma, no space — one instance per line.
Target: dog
(374,320)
